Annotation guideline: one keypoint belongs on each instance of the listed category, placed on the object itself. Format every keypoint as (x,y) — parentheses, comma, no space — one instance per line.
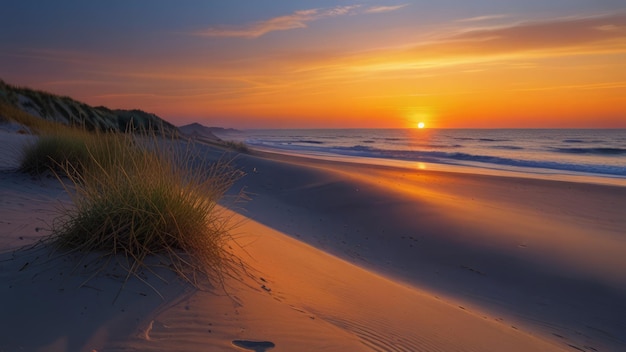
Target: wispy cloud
(297,19)
(590,86)
(484,18)
(381,9)
(598,35)
(545,35)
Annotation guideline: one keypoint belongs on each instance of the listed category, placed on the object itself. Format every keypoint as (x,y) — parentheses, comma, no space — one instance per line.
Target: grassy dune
(10,113)
(64,110)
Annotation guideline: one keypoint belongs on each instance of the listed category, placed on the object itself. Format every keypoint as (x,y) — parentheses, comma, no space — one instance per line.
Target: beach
(342,257)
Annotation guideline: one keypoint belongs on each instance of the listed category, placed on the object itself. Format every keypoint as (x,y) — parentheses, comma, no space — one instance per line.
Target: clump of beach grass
(144,201)
(72,150)
(56,151)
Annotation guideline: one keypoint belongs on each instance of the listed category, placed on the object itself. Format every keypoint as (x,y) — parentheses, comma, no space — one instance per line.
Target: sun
(421,125)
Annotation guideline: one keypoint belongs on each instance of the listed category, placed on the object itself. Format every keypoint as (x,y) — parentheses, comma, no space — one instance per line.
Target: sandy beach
(341,257)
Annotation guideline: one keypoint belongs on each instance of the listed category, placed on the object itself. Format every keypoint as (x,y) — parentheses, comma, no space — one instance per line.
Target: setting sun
(421,125)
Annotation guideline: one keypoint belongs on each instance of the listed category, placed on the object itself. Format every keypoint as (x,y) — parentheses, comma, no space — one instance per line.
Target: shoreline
(486,241)
(486,169)
(575,155)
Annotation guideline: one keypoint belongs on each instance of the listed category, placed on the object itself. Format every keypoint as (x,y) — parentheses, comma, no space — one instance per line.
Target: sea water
(570,152)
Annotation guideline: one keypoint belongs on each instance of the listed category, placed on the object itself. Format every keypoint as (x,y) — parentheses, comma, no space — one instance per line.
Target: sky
(329,64)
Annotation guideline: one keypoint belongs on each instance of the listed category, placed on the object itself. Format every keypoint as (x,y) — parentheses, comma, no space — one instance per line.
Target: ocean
(599,154)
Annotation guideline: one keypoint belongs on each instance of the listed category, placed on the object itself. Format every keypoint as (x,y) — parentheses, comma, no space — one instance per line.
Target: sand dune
(343,258)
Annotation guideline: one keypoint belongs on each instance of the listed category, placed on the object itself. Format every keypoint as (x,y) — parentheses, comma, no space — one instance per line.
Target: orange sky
(326,67)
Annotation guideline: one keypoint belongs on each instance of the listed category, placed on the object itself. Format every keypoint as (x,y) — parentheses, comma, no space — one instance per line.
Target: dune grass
(36,124)
(237,146)
(58,152)
(69,151)
(142,199)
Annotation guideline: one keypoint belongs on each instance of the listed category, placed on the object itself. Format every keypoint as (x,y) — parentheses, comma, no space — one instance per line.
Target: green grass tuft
(56,152)
(140,197)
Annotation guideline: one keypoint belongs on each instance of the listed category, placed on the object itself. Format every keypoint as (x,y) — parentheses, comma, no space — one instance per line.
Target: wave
(592,151)
(574,140)
(358,148)
(308,141)
(287,142)
(506,147)
(453,158)
(390,139)
(481,139)
(459,158)
(492,140)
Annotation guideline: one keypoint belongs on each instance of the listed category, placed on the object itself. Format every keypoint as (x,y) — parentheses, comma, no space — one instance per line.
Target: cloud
(544,35)
(297,19)
(555,37)
(597,35)
(381,9)
(484,18)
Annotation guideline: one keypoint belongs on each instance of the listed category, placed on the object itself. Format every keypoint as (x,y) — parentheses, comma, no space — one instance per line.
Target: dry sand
(343,258)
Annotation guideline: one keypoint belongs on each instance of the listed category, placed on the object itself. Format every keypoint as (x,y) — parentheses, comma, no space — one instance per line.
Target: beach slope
(341,257)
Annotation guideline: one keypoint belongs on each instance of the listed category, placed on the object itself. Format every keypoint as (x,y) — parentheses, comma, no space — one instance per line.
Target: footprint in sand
(257,346)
